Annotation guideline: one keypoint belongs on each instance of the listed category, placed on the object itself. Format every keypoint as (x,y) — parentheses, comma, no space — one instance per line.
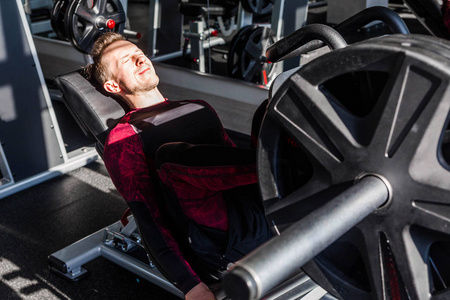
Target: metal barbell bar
(272,263)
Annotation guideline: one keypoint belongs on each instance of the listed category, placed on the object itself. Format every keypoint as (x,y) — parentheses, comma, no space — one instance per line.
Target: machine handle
(285,47)
(364,17)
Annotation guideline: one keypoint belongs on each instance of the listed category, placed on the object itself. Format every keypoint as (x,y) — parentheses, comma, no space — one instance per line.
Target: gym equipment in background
(34,147)
(246,55)
(82,21)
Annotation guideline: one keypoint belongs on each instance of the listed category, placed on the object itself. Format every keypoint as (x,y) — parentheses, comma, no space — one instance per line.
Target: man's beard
(147,86)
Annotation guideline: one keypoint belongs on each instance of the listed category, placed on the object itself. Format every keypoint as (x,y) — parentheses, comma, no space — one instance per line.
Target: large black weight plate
(260,7)
(247,48)
(253,68)
(235,50)
(57,18)
(82,21)
(377,107)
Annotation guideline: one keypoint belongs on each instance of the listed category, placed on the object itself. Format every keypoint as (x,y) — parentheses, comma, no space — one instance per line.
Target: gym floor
(48,217)
(45,218)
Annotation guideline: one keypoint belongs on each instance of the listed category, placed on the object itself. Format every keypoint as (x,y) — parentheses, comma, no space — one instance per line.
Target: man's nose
(140,60)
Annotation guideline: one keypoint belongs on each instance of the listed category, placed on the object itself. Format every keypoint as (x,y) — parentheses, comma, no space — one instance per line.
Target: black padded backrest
(94,110)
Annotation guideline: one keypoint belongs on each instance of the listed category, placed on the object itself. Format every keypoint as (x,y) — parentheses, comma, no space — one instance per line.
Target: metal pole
(267,266)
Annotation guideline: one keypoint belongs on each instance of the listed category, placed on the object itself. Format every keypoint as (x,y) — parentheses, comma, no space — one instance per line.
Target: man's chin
(152,85)
(143,89)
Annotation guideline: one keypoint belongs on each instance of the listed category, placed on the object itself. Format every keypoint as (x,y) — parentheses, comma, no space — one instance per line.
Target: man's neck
(144,99)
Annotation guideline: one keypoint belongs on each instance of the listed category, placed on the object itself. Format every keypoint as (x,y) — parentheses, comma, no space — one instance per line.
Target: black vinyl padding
(94,110)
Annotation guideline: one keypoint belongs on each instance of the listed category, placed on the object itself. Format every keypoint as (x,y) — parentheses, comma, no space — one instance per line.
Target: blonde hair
(99,70)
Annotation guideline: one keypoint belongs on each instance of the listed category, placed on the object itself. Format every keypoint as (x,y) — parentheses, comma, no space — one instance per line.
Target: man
(160,141)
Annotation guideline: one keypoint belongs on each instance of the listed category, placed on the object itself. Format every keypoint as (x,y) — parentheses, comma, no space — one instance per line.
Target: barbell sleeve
(272,263)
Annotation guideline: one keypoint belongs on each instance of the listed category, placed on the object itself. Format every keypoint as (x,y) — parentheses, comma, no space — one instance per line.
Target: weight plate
(85,21)
(377,107)
(253,69)
(260,7)
(57,18)
(244,55)
(235,50)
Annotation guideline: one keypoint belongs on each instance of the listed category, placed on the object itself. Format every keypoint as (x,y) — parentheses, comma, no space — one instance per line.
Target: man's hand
(200,292)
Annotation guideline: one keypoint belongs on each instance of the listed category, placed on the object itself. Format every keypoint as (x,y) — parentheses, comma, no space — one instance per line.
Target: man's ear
(112,87)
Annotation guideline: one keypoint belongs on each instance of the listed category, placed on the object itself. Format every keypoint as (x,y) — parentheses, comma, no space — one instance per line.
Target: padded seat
(95,111)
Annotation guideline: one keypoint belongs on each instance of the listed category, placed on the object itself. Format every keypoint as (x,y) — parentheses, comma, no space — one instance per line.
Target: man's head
(121,67)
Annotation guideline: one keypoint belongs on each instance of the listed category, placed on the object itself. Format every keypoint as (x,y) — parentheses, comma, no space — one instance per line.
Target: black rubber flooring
(45,218)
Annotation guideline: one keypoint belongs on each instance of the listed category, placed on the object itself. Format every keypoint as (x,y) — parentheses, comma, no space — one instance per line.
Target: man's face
(130,68)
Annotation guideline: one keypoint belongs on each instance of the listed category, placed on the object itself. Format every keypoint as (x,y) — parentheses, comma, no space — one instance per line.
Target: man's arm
(130,173)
